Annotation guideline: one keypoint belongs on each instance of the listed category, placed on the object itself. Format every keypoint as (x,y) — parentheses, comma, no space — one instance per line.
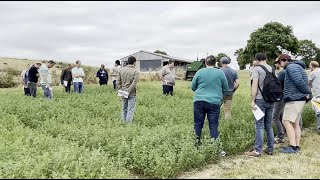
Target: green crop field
(81,136)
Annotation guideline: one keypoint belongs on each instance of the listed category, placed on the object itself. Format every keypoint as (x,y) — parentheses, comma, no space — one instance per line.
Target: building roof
(165,56)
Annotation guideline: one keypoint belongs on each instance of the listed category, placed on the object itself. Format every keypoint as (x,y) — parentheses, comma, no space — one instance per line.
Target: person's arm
(134,82)
(62,76)
(224,83)
(194,83)
(82,73)
(107,75)
(119,82)
(311,78)
(236,82)
(295,75)
(254,87)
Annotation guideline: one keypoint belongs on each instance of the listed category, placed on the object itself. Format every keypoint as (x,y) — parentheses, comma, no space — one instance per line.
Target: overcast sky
(102,32)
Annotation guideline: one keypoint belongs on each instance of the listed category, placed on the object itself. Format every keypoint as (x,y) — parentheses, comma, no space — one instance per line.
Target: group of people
(280,97)
(30,78)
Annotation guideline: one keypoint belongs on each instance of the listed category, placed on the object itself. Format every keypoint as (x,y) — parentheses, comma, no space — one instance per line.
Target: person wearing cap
(78,75)
(265,123)
(279,106)
(296,94)
(45,79)
(314,83)
(233,84)
(102,74)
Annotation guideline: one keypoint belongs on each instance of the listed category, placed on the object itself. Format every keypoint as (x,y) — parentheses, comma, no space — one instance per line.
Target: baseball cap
(225,60)
(284,56)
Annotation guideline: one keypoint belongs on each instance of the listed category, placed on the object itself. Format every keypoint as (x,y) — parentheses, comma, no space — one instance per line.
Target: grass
(304,165)
(80,136)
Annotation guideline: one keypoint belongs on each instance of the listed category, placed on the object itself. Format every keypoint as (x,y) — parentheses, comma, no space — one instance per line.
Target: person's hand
(307,97)
(253,105)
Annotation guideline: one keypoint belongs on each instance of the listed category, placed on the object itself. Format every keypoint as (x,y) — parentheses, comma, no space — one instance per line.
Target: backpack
(272,89)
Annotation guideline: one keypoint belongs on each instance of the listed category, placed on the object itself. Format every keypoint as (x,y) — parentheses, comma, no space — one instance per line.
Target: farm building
(152,61)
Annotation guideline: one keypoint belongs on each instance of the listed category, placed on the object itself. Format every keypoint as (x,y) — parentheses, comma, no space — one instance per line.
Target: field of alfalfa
(81,136)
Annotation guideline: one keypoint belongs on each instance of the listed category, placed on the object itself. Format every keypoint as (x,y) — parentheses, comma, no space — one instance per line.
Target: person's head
(78,63)
(210,61)
(277,63)
(37,65)
(117,62)
(313,65)
(132,60)
(284,59)
(171,63)
(51,63)
(102,66)
(69,66)
(224,61)
(261,57)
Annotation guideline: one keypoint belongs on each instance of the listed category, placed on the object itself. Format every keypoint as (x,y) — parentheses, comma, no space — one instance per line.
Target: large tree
(160,52)
(241,58)
(308,51)
(271,39)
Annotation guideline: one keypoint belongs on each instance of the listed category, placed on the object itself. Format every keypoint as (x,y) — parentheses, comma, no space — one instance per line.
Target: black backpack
(272,88)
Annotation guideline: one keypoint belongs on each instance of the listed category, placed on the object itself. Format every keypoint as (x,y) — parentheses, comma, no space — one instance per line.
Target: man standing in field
(127,81)
(233,84)
(102,74)
(296,94)
(279,106)
(33,79)
(314,83)
(66,78)
(208,98)
(114,73)
(265,123)
(24,81)
(45,79)
(78,74)
(168,76)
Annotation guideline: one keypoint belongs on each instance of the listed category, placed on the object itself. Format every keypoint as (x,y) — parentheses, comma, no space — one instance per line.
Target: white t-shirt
(314,77)
(44,71)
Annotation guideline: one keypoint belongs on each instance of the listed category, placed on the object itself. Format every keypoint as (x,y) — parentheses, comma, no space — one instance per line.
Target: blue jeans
(47,93)
(201,109)
(78,87)
(265,123)
(128,109)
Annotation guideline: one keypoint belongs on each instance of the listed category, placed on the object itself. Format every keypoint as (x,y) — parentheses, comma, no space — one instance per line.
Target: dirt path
(305,164)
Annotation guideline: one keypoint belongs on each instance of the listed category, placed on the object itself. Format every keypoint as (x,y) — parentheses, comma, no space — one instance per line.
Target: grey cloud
(101,32)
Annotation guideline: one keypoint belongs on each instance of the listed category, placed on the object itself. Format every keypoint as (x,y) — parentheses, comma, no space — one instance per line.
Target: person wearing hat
(233,84)
(45,78)
(279,106)
(296,94)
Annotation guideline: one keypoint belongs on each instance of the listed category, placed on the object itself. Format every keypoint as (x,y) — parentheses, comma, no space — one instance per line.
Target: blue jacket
(296,82)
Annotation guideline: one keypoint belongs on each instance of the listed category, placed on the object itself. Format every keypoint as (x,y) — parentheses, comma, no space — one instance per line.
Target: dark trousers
(201,109)
(114,84)
(68,88)
(103,83)
(33,88)
(167,90)
(27,91)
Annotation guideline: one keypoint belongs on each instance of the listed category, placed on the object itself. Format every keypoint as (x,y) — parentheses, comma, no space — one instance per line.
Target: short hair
(211,60)
(38,64)
(103,65)
(77,62)
(117,62)
(314,64)
(170,61)
(261,56)
(51,62)
(131,60)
